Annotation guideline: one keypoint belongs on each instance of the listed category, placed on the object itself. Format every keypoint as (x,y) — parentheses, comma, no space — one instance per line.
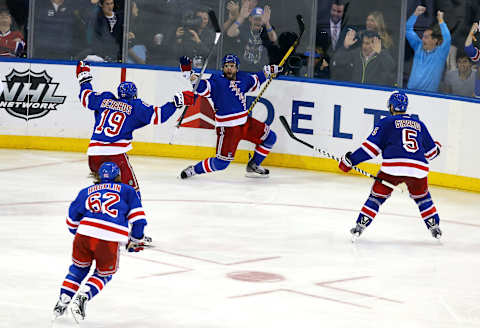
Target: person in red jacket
(11,42)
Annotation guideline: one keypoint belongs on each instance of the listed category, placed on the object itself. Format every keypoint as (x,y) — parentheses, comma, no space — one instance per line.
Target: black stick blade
(284,122)
(213,19)
(301,24)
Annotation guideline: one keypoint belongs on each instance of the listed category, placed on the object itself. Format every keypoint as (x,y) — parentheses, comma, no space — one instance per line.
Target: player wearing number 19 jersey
(406,147)
(116,119)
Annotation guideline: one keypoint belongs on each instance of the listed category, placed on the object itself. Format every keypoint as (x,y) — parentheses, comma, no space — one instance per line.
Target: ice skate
(61,306)
(79,305)
(256,171)
(357,231)
(188,172)
(362,223)
(436,232)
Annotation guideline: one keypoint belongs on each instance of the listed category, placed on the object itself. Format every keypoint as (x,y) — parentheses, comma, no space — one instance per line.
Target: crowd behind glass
(428,45)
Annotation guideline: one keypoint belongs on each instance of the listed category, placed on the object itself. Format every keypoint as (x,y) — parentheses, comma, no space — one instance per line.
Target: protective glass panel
(13,23)
(163,30)
(357,41)
(76,29)
(261,32)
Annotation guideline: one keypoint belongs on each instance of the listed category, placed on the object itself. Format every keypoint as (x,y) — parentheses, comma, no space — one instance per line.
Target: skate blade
(254,175)
(55,316)
(355,237)
(77,317)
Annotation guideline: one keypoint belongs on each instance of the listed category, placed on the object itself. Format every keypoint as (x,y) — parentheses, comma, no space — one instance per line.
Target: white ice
(288,236)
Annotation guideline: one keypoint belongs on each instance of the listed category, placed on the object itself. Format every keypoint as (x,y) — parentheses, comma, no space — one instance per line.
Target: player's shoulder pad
(84,191)
(387,119)
(127,188)
(243,75)
(215,76)
(107,95)
(139,103)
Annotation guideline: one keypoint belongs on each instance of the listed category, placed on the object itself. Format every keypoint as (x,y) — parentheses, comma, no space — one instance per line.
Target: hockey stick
(301,26)
(327,154)
(218,33)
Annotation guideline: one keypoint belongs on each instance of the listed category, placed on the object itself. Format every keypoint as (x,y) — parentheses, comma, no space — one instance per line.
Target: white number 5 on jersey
(409,140)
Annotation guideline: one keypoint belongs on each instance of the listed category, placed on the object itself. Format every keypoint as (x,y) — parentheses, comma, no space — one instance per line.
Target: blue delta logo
(29,94)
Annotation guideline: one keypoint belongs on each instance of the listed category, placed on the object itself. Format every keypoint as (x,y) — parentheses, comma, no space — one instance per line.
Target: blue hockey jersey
(105,210)
(405,144)
(228,97)
(116,119)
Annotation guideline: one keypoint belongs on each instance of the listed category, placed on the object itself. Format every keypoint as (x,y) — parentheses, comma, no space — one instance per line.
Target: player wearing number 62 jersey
(116,119)
(99,218)
(406,147)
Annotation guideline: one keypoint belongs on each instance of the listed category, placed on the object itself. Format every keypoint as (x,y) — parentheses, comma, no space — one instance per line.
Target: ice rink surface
(233,252)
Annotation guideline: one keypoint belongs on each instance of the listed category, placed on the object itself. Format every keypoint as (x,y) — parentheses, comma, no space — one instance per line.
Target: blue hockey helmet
(399,101)
(231,58)
(127,90)
(108,171)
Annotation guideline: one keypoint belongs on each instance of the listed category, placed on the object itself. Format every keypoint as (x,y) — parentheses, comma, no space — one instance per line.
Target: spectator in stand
(461,14)
(54,32)
(461,81)
(195,37)
(105,32)
(330,35)
(472,51)
(424,21)
(162,18)
(376,23)
(254,41)
(12,43)
(430,53)
(137,51)
(370,63)
(294,63)
(474,54)
(321,69)
(233,9)
(86,11)
(19,11)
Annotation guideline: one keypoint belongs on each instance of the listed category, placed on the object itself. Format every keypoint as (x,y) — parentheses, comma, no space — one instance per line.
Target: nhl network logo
(29,95)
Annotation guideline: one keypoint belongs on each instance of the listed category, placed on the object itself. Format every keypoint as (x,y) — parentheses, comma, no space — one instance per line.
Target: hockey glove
(83,72)
(268,70)
(186,67)
(137,245)
(345,163)
(184,98)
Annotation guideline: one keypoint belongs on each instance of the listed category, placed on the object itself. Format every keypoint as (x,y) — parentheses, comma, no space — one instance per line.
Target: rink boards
(39,109)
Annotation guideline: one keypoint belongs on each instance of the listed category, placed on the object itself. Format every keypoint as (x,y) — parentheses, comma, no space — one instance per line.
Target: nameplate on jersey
(116,105)
(110,186)
(399,124)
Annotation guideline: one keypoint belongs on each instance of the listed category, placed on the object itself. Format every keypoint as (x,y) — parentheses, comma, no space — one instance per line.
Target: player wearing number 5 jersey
(406,147)
(116,119)
(99,218)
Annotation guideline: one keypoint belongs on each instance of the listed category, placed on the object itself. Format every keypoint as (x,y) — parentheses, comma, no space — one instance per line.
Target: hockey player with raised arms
(99,218)
(233,123)
(116,119)
(407,148)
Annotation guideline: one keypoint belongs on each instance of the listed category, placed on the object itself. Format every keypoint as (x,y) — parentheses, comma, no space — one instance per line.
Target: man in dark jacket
(366,64)
(105,34)
(54,32)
